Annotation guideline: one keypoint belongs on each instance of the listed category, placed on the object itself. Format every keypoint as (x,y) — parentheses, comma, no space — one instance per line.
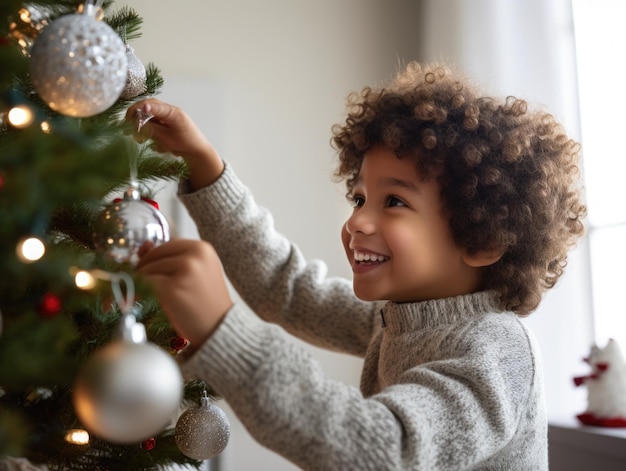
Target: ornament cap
(204,400)
(132,331)
(132,193)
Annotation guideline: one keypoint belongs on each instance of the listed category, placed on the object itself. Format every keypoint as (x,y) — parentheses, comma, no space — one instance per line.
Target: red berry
(178,343)
(50,305)
(149,444)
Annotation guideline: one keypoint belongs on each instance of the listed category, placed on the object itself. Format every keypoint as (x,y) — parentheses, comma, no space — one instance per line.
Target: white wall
(266,80)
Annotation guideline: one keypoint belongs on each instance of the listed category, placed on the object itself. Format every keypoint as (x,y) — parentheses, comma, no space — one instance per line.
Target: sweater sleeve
(271,275)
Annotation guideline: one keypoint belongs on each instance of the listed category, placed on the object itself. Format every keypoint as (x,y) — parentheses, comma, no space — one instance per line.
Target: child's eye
(392,202)
(356,200)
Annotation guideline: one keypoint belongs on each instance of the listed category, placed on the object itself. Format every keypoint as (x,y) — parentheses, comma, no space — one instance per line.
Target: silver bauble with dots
(123,227)
(136,78)
(78,65)
(202,432)
(128,390)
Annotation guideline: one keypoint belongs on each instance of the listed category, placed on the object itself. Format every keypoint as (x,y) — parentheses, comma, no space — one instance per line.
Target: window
(600,45)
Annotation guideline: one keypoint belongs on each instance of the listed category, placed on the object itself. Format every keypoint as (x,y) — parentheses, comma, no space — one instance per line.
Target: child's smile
(397,240)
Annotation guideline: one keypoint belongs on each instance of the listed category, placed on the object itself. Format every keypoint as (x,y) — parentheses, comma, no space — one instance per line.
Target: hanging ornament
(136,77)
(124,226)
(128,390)
(202,432)
(78,64)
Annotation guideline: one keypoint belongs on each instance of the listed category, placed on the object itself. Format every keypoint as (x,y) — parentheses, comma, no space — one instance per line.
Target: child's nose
(361,221)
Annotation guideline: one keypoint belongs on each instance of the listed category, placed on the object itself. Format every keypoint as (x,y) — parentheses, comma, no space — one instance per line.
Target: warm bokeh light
(20,116)
(77,436)
(84,280)
(45,127)
(24,15)
(30,249)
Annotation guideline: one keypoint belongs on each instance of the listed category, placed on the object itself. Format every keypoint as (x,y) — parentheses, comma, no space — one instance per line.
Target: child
(464,209)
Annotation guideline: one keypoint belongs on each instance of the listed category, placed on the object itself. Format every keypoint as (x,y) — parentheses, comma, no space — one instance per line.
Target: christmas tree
(67,289)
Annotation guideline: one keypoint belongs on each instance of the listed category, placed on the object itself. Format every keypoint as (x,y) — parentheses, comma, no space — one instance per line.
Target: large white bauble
(128,392)
(78,65)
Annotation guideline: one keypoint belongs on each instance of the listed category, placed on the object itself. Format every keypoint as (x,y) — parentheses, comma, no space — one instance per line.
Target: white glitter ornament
(124,226)
(136,78)
(128,390)
(78,64)
(202,432)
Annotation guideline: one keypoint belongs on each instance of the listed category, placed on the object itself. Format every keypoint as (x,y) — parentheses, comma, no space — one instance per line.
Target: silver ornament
(123,227)
(128,390)
(202,432)
(136,78)
(78,65)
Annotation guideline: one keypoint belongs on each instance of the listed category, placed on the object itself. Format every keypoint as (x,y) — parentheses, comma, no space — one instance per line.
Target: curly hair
(508,176)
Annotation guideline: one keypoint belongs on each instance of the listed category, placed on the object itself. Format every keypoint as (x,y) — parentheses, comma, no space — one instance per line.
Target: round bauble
(123,227)
(202,432)
(78,65)
(128,392)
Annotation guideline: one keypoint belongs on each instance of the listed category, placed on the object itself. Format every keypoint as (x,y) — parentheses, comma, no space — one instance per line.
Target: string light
(20,116)
(77,436)
(84,280)
(30,249)
(45,127)
(24,15)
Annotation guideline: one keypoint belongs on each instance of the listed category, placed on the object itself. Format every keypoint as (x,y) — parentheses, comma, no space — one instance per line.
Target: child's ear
(484,258)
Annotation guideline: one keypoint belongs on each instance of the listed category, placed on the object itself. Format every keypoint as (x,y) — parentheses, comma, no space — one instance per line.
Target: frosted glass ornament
(202,432)
(78,65)
(136,78)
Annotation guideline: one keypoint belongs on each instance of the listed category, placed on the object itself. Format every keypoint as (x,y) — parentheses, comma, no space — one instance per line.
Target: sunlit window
(600,27)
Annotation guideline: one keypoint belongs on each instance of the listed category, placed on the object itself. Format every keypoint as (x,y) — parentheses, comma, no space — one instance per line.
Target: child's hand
(173,131)
(188,279)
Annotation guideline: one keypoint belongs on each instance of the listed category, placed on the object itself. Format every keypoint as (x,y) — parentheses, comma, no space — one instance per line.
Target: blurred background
(267,80)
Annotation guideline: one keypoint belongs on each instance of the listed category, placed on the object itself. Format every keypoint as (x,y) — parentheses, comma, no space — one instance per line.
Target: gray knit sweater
(449,384)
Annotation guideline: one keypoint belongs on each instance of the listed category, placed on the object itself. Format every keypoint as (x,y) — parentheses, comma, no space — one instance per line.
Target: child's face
(397,239)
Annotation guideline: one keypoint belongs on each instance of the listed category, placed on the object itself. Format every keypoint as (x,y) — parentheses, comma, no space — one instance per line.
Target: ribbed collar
(405,317)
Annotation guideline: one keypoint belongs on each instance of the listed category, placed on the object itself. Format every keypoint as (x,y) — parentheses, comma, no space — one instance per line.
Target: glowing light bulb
(30,249)
(20,116)
(77,436)
(24,15)
(45,127)
(84,280)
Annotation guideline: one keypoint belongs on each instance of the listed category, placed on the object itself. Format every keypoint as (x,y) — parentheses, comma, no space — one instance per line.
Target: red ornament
(50,305)
(143,198)
(178,343)
(149,444)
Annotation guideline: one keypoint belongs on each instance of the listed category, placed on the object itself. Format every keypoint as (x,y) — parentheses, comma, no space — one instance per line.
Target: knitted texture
(448,384)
